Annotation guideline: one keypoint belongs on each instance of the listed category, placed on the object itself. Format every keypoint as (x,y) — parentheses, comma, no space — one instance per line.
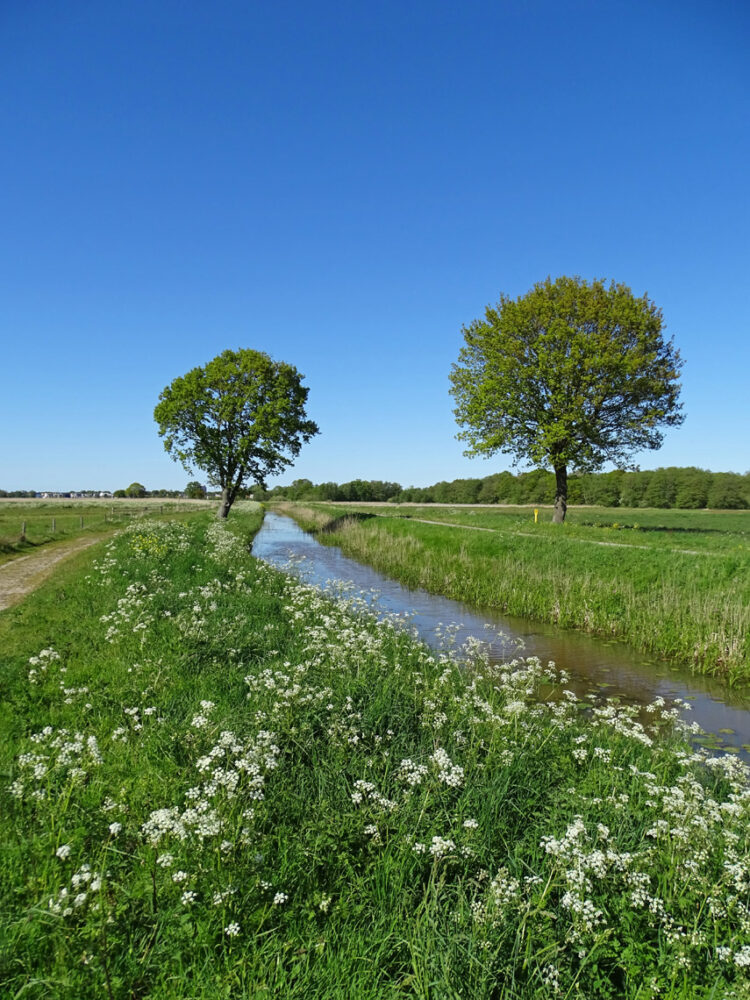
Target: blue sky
(343,186)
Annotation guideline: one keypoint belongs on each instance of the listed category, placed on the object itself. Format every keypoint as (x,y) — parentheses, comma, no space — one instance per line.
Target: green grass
(675,584)
(26,525)
(218,782)
(709,531)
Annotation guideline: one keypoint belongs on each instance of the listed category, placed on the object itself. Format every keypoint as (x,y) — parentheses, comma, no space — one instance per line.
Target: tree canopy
(571,374)
(239,418)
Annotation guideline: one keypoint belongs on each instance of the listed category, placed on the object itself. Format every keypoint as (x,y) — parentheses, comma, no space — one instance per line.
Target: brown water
(595,666)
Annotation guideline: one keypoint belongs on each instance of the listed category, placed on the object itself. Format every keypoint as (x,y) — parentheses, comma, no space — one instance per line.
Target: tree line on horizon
(136,491)
(687,488)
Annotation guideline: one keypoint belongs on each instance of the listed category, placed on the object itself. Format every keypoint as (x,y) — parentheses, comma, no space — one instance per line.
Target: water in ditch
(595,665)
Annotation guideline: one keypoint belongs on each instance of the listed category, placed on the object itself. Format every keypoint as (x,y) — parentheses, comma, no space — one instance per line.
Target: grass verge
(219,782)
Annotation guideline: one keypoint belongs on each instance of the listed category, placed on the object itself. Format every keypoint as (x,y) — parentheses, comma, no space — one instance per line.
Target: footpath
(18,577)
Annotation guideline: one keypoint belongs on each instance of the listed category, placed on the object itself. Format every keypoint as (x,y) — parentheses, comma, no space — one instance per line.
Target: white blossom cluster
(41,663)
(79,894)
(224,547)
(58,758)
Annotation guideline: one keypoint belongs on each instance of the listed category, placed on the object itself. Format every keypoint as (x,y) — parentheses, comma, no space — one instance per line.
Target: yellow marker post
(536,514)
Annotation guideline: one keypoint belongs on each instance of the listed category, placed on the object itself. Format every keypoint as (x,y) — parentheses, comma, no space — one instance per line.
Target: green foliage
(570,374)
(195,491)
(135,490)
(240,418)
(358,490)
(661,490)
(725,494)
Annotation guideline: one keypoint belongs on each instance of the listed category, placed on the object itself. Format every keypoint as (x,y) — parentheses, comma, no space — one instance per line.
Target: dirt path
(20,576)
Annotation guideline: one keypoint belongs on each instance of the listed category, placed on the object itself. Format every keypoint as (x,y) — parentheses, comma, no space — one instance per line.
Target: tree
(195,491)
(692,486)
(725,493)
(240,418)
(135,490)
(569,375)
(662,490)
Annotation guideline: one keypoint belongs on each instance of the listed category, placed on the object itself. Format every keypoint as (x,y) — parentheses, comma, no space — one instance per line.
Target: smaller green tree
(135,490)
(195,491)
(240,418)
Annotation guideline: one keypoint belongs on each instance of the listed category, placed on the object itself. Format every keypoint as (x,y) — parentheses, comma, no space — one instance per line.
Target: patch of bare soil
(20,576)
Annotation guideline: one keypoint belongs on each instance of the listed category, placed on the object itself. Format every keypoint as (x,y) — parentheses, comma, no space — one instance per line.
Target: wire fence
(26,525)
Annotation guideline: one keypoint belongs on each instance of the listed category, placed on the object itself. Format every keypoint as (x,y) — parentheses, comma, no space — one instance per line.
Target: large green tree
(239,418)
(568,376)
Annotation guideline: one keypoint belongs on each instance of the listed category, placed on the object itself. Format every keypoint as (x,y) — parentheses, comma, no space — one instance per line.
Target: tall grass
(220,782)
(690,608)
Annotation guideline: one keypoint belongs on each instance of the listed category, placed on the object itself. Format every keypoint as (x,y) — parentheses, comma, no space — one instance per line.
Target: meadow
(220,782)
(674,584)
(27,524)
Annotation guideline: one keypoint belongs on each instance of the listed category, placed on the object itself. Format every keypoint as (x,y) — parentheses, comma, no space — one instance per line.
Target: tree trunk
(225,504)
(561,494)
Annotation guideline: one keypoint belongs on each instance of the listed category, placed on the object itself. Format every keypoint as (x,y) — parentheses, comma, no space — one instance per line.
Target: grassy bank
(678,587)
(220,783)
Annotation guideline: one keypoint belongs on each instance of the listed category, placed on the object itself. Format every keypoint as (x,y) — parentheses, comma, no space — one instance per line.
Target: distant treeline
(93,494)
(147,494)
(686,488)
(364,490)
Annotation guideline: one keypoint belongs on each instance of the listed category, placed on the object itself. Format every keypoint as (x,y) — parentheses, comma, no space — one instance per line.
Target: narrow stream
(595,665)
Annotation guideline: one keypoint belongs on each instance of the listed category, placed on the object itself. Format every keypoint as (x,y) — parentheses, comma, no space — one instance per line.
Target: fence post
(23,531)
(81,520)
(54,525)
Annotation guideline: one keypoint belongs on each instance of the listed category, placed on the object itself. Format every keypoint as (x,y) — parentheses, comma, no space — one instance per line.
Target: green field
(675,584)
(27,524)
(220,783)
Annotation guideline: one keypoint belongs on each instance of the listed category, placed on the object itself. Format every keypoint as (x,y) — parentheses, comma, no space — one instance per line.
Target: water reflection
(610,668)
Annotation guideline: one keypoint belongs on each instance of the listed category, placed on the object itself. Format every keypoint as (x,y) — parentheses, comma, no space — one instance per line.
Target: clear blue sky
(343,186)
